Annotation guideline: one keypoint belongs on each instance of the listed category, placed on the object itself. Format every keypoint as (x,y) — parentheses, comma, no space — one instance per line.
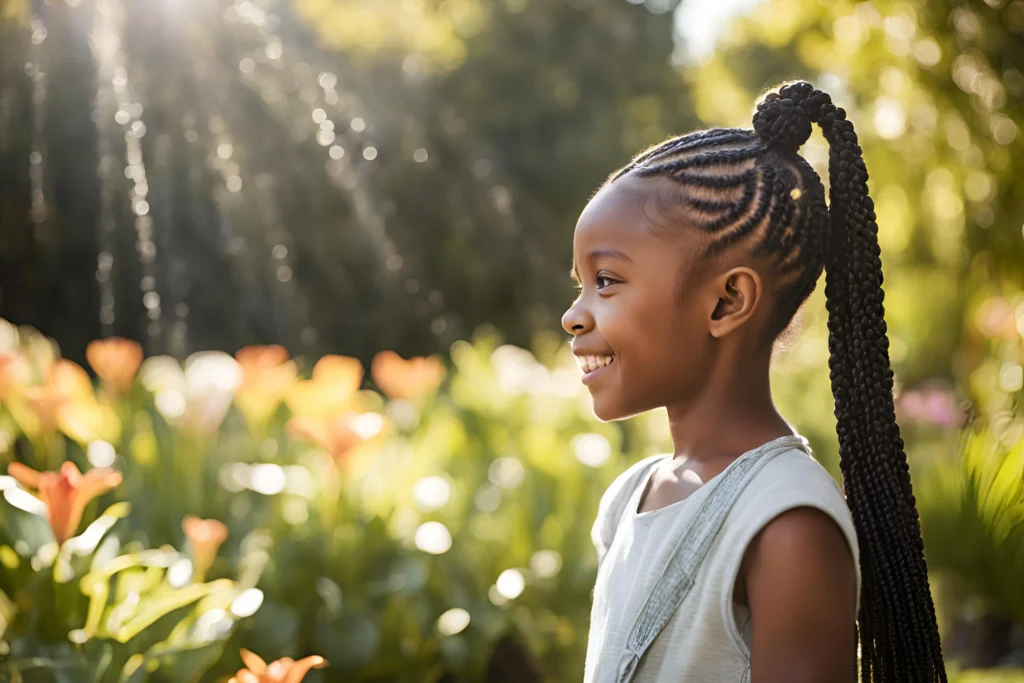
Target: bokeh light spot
(510,584)
(433,538)
(453,621)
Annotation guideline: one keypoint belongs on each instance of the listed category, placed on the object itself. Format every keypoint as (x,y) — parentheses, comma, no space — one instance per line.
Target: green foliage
(476,505)
(90,611)
(978,676)
(464,524)
(972,509)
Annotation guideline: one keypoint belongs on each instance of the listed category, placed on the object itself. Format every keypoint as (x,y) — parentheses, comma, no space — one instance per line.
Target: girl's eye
(603,281)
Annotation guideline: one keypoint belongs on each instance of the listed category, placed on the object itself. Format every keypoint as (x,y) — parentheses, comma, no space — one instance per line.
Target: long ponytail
(898,632)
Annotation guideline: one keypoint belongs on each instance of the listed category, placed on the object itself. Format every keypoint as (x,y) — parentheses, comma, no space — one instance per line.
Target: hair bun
(783,119)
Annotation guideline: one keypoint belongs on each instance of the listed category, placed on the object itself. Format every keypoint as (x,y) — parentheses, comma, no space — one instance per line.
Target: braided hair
(751,186)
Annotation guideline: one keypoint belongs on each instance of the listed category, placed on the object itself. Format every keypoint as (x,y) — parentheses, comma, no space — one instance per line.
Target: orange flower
(340,436)
(407,379)
(40,351)
(267,375)
(331,390)
(344,372)
(46,404)
(284,670)
(64,401)
(66,493)
(89,420)
(205,537)
(70,380)
(14,372)
(116,360)
(65,382)
(253,359)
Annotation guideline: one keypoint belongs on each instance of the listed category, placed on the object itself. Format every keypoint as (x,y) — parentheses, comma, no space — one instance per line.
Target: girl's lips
(591,377)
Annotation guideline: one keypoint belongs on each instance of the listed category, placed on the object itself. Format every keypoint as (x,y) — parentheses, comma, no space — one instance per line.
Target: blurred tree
(330,175)
(936,90)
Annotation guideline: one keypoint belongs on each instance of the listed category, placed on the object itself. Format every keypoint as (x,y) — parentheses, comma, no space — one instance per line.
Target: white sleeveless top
(663,609)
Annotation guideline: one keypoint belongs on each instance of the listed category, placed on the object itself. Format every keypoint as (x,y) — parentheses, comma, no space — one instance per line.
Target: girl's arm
(799,581)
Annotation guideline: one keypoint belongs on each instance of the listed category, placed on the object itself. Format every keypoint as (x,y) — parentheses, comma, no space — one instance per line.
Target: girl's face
(641,321)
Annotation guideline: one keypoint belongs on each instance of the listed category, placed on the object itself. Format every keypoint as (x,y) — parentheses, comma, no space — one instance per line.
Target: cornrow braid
(752,187)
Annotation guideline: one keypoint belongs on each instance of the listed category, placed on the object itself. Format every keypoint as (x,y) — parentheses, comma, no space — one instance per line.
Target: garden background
(225,225)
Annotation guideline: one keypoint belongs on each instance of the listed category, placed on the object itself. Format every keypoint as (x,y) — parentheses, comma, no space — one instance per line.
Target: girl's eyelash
(578,284)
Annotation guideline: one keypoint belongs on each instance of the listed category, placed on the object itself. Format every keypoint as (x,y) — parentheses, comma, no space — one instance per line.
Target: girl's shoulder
(793,479)
(795,473)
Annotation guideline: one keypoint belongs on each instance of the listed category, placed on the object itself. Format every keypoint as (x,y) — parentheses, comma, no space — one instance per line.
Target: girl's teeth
(592,363)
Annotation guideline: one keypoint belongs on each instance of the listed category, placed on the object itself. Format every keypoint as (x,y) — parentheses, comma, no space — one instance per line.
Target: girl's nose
(577,320)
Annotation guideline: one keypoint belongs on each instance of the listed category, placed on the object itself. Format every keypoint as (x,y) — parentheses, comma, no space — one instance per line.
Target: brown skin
(686,333)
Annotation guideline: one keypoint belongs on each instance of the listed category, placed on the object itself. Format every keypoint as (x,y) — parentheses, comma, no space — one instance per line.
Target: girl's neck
(733,414)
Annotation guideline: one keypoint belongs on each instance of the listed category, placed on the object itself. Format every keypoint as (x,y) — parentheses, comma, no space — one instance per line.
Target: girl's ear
(738,292)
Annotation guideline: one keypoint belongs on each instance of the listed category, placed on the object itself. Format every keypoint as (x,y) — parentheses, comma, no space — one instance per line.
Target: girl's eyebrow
(595,253)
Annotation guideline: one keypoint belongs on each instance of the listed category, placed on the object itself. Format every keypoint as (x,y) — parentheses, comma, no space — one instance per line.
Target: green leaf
(7,612)
(185,661)
(98,592)
(154,609)
(144,558)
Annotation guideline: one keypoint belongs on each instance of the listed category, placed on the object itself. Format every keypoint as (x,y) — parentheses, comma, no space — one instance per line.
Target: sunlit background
(281,366)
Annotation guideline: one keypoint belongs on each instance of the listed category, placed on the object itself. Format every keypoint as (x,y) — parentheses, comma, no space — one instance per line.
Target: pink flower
(931,405)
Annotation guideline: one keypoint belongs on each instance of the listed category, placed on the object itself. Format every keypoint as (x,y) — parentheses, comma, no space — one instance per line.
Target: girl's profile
(737,557)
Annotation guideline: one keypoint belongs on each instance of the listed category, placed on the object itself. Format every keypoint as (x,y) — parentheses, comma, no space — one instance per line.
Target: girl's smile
(593,365)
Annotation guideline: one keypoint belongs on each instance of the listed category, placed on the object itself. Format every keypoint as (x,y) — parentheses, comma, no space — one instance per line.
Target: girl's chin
(607,409)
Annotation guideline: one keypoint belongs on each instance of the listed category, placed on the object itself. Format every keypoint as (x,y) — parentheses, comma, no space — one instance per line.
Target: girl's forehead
(623,214)
(614,201)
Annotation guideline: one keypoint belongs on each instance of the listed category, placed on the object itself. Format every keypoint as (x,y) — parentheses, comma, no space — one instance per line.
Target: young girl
(737,558)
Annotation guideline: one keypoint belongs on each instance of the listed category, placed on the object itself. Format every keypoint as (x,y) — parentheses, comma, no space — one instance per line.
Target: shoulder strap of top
(691,548)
